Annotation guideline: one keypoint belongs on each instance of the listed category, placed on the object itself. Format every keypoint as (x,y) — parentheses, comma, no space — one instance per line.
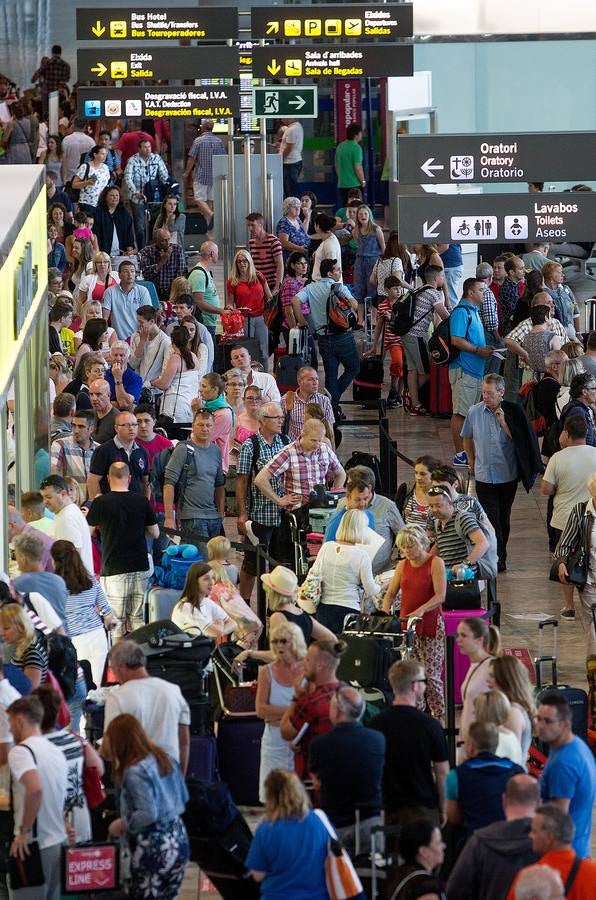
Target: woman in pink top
(212,398)
(247,422)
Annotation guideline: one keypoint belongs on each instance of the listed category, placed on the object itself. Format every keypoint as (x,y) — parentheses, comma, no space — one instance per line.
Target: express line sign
(510,218)
(492,158)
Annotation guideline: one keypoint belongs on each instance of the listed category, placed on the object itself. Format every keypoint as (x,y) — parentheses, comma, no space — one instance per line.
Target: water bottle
(460,572)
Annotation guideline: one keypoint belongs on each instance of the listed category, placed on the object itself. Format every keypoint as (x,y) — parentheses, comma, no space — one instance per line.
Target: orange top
(584,885)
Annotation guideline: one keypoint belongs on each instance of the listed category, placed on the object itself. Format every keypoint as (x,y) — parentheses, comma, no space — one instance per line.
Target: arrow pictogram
(272,27)
(98,29)
(427,168)
(429,230)
(299,102)
(273,67)
(99,69)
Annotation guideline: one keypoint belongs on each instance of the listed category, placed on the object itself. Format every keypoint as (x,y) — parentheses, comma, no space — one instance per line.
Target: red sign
(348,106)
(523,654)
(91,868)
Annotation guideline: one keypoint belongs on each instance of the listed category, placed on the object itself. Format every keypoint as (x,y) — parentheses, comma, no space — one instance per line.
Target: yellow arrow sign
(98,29)
(273,67)
(272,27)
(99,69)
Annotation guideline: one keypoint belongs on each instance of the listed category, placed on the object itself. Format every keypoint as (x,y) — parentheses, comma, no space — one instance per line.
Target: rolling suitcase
(160,602)
(202,758)
(239,754)
(439,399)
(576,698)
(368,384)
(286,371)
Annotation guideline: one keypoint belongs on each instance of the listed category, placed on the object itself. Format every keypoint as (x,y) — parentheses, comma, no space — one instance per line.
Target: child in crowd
(391,341)
(225,593)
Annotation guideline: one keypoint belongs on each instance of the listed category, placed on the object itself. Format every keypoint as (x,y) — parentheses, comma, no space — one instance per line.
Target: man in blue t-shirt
(466,372)
(453,262)
(569,777)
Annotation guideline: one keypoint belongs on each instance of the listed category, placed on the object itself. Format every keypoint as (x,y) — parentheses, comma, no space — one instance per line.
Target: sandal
(407,401)
(418,411)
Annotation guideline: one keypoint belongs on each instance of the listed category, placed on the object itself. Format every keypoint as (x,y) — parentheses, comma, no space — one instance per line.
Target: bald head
(209,250)
(99,386)
(521,797)
(539,883)
(347,705)
(541,299)
(99,395)
(16,522)
(162,239)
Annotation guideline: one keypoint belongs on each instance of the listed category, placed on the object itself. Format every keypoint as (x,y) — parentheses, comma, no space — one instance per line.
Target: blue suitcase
(202,758)
(239,754)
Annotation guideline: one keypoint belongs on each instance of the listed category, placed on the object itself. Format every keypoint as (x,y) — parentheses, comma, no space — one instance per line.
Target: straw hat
(281,580)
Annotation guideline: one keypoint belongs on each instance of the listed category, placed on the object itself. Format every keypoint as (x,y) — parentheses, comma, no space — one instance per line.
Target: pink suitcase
(461,663)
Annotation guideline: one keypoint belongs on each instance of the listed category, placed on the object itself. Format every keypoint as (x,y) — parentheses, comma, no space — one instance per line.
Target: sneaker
(392,399)
(567,613)
(250,533)
(460,459)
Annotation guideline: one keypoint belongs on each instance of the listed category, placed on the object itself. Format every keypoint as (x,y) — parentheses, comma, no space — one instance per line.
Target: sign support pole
(370,150)
(263,160)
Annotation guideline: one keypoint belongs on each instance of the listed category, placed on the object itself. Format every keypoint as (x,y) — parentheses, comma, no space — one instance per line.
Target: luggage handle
(538,662)
(553,623)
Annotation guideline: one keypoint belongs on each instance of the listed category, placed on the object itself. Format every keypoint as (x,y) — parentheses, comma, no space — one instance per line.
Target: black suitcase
(368,384)
(286,373)
(367,661)
(239,754)
(195,223)
(576,698)
(223,350)
(222,859)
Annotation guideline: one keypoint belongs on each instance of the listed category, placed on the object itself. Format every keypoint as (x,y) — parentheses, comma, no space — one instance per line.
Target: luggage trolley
(374,642)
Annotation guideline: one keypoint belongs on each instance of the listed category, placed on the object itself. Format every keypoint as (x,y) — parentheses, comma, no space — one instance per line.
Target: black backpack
(360,458)
(158,471)
(440,349)
(62,657)
(403,312)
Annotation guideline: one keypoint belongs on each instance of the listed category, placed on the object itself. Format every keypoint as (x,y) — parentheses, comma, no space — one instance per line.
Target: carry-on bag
(576,698)
(439,399)
(368,384)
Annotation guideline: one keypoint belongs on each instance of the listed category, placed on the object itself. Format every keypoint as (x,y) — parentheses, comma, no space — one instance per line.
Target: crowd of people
(167,422)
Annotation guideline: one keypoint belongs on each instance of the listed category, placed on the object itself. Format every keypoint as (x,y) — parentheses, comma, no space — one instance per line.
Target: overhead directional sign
(299,102)
(507,218)
(123,63)
(496,158)
(307,61)
(218,23)
(355,22)
(164,102)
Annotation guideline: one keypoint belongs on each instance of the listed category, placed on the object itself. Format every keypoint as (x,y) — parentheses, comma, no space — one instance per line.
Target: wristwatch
(23,830)
(117,382)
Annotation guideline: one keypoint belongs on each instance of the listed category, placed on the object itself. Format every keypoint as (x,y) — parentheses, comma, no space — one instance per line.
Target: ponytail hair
(334,650)
(490,634)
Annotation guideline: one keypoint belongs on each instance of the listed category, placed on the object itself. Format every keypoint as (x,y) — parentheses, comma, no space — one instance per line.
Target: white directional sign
(478,218)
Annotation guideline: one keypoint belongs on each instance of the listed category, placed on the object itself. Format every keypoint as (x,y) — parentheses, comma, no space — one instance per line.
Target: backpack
(74,193)
(62,657)
(340,315)
(551,443)
(486,566)
(158,471)
(360,458)
(403,311)
(527,392)
(440,349)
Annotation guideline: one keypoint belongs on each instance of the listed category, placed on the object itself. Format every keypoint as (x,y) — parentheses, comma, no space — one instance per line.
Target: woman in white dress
(275,689)
(181,377)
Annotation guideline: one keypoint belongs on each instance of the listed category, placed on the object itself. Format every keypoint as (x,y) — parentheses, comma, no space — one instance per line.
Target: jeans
(453,277)
(497,500)
(199,531)
(336,350)
(332,616)
(256,328)
(291,175)
(140,224)
(75,704)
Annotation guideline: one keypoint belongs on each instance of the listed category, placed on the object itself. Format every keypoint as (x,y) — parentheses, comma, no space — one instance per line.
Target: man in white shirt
(73,147)
(565,483)
(240,359)
(157,704)
(291,151)
(150,347)
(39,782)
(69,523)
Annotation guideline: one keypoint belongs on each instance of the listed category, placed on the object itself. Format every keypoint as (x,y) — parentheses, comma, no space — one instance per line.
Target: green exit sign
(285,101)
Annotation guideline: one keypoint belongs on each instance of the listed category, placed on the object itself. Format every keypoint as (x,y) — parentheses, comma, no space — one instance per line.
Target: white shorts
(202,191)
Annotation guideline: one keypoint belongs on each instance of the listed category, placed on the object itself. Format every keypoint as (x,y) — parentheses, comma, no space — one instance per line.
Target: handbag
(462,595)
(163,420)
(92,785)
(577,568)
(309,596)
(241,698)
(340,875)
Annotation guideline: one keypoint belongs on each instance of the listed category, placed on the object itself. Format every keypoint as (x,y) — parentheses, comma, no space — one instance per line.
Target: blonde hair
(252,272)
(511,677)
(411,535)
(85,309)
(370,226)
(492,706)
(14,616)
(353,528)
(218,548)
(100,256)
(276,601)
(294,636)
(179,286)
(285,796)
(73,485)
(61,362)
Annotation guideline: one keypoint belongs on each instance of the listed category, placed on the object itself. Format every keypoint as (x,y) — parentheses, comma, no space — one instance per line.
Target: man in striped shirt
(72,455)
(266,251)
(455,531)
(294,403)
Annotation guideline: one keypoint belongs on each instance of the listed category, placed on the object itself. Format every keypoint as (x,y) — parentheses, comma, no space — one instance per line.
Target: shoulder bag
(164,421)
(340,875)
(92,785)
